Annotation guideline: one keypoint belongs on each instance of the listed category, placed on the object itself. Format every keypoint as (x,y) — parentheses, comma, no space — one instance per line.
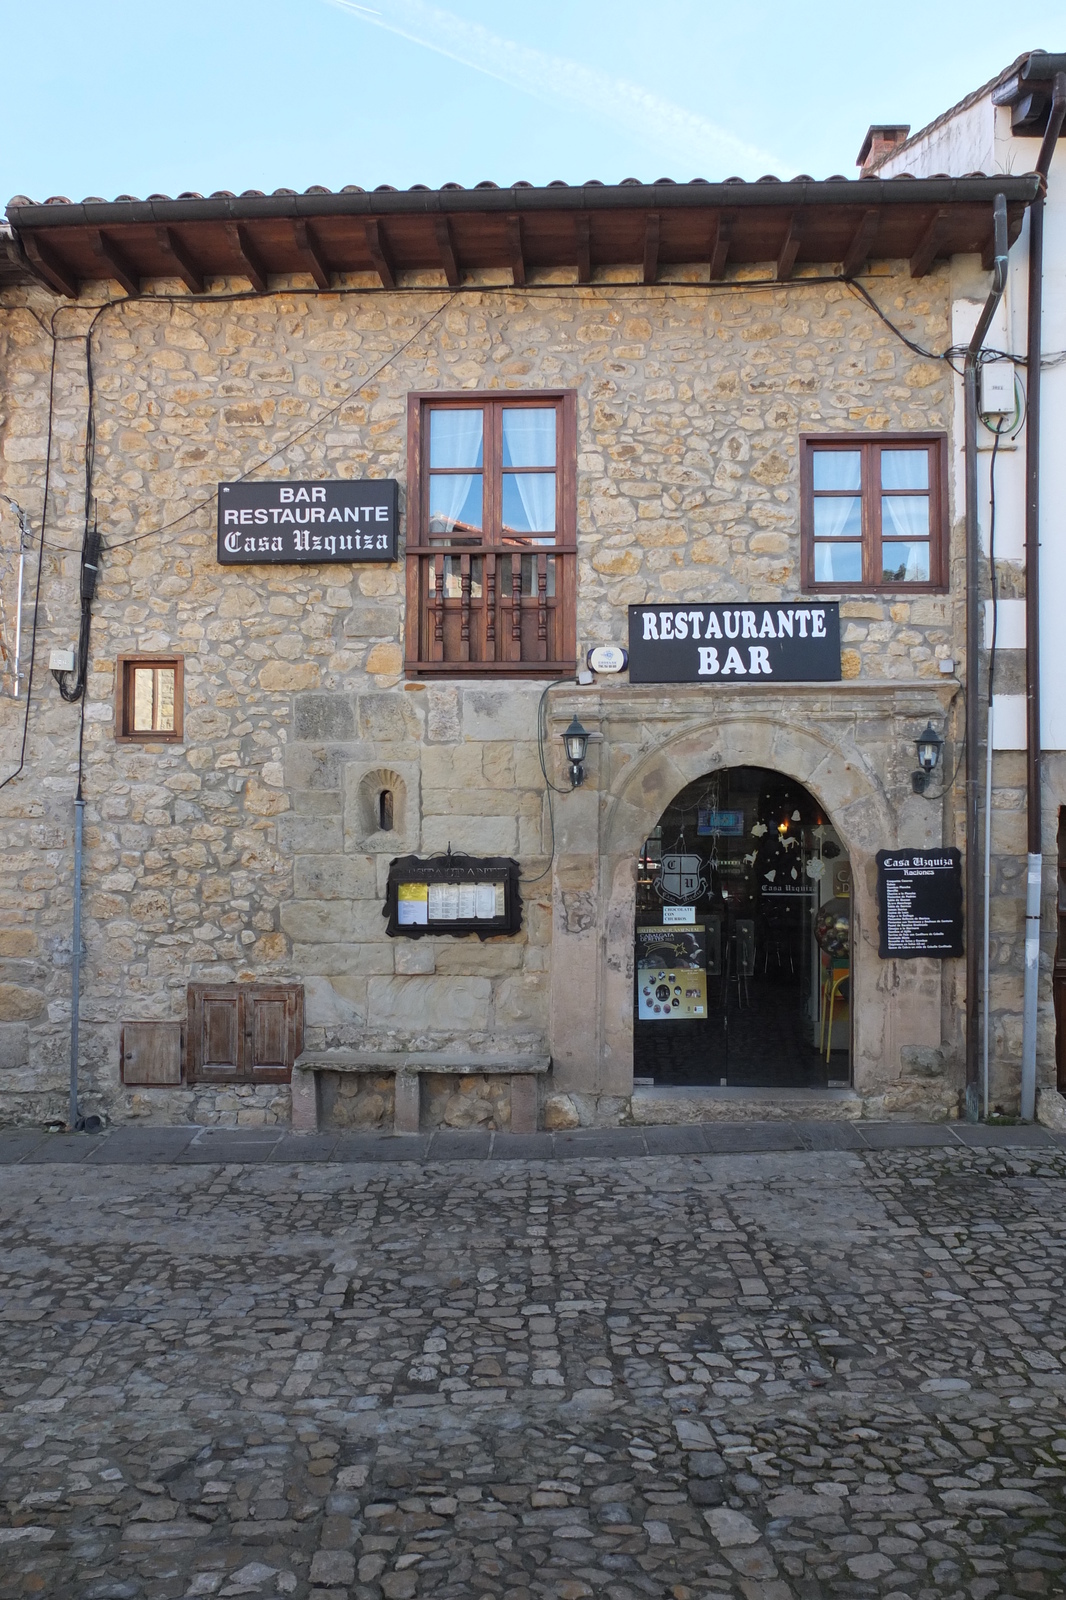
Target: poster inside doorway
(671,973)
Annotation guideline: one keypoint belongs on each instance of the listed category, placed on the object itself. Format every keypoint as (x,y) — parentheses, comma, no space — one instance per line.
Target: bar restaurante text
(340,520)
(686,644)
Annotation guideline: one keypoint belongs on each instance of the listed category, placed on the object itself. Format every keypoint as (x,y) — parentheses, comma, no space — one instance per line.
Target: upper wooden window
(874,512)
(150,699)
(491,534)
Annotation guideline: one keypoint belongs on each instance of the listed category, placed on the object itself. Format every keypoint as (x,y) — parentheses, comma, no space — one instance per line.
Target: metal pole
(1034,798)
(987,939)
(973,726)
(75,962)
(18,619)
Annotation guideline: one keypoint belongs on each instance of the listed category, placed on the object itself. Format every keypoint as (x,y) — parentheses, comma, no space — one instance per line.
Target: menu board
(919,903)
(453,894)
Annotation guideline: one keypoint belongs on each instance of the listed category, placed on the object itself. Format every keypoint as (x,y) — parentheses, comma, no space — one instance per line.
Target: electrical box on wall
(452,894)
(61,661)
(997,397)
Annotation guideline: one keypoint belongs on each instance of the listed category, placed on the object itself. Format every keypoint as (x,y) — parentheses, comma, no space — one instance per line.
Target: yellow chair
(835,978)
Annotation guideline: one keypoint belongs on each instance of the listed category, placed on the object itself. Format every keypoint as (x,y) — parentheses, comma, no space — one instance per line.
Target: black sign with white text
(795,642)
(919,902)
(334,520)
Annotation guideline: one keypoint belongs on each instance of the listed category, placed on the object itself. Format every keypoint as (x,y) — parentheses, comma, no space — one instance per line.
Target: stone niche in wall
(381,808)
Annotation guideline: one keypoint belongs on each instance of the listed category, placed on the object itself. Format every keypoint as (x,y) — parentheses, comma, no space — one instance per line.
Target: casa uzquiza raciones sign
(332,520)
(796,641)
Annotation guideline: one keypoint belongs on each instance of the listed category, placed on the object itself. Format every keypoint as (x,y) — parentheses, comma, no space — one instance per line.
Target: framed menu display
(919,902)
(452,894)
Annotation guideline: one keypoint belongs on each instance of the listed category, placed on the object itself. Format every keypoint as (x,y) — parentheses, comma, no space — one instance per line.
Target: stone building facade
(251,851)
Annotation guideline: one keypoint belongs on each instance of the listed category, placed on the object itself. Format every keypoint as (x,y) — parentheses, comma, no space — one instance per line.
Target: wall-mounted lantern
(929,745)
(576,741)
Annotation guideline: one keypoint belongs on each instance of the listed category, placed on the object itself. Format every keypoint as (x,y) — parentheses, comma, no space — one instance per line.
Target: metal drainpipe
(973,571)
(1034,874)
(75,961)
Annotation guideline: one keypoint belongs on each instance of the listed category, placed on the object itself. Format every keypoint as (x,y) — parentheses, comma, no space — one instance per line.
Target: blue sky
(109,97)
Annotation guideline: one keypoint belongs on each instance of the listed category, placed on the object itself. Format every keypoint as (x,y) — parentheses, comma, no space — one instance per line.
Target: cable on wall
(40,558)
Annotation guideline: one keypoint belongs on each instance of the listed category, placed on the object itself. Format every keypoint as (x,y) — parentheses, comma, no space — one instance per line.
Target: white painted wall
(978,139)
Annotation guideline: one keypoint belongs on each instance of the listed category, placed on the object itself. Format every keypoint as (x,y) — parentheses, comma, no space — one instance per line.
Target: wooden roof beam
(721,240)
(115,261)
(652,235)
(858,251)
(251,262)
(442,228)
(583,246)
(310,253)
(47,265)
(380,254)
(184,266)
(790,246)
(930,243)
(514,250)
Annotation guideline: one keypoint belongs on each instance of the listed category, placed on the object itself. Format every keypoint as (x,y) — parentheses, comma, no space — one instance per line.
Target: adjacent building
(999,128)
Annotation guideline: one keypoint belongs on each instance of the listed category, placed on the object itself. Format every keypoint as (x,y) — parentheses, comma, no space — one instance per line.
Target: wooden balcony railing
(491,611)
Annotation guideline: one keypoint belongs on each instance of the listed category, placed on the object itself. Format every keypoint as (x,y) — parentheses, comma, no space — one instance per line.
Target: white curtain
(536,492)
(456,439)
(832,514)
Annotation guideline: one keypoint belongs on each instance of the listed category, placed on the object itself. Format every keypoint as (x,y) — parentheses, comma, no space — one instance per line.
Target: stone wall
(247,852)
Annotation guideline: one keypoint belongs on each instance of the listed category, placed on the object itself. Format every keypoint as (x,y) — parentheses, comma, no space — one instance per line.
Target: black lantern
(929,745)
(576,741)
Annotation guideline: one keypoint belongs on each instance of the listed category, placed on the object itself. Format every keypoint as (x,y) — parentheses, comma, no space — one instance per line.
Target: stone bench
(409,1068)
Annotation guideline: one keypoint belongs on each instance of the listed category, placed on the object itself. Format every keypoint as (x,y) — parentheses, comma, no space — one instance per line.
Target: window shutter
(151,1053)
(244,1032)
(273,1029)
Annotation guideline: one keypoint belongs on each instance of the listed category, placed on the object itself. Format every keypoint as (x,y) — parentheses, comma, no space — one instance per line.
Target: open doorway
(743,939)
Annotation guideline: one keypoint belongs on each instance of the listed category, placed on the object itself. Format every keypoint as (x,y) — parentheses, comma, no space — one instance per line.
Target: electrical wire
(324,416)
(542,290)
(550,788)
(40,558)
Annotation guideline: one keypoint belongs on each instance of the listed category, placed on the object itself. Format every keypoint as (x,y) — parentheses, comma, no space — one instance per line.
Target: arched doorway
(742,940)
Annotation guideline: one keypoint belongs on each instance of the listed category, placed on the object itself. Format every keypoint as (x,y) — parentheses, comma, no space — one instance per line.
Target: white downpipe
(987,920)
(1032,983)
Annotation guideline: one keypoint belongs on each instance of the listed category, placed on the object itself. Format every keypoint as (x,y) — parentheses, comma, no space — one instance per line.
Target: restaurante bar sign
(335,520)
(797,642)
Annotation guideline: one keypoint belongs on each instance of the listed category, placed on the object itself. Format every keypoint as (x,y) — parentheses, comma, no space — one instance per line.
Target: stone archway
(895,1004)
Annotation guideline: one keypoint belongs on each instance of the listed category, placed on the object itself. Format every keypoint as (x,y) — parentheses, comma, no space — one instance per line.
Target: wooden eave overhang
(836,225)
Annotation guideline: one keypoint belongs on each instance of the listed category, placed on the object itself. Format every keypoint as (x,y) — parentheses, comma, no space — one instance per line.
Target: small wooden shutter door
(214,1035)
(244,1032)
(272,1028)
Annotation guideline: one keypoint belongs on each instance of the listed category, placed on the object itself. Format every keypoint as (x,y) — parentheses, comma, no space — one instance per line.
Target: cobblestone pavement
(796,1373)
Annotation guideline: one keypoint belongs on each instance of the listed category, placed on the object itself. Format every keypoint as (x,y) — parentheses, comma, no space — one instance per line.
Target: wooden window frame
(870,498)
(424,655)
(124,666)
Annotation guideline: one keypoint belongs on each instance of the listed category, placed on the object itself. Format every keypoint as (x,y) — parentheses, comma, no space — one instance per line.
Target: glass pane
(838,563)
(905,516)
(453,578)
(904,469)
(143,699)
(456,437)
(905,563)
(529,438)
(529,576)
(837,469)
(529,502)
(838,518)
(164,700)
(455,502)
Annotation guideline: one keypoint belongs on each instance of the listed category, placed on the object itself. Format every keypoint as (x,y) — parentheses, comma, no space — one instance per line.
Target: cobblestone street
(792,1373)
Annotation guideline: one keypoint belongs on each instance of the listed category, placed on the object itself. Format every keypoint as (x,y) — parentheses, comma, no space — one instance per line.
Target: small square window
(150,699)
